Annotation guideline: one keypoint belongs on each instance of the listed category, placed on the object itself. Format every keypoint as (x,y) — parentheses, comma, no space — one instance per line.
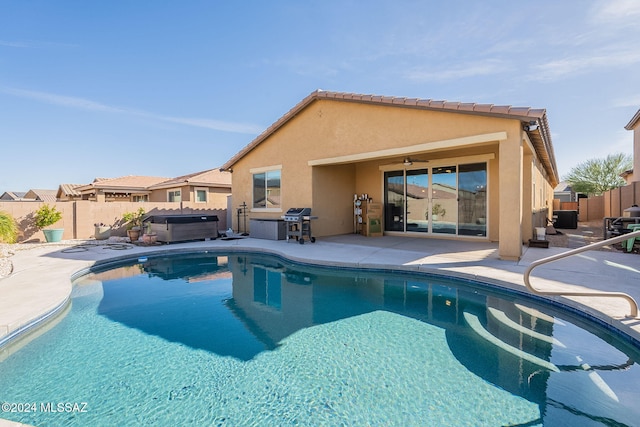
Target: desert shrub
(8,228)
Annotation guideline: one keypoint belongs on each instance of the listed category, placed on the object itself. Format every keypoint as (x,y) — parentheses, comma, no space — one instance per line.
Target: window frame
(265,170)
(206,194)
(174,190)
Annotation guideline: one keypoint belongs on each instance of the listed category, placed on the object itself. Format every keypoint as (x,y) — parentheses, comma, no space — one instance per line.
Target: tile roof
(541,138)
(129,182)
(42,195)
(209,178)
(13,195)
(69,190)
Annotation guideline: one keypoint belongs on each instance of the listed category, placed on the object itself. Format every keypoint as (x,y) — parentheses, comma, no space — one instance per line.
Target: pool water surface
(246,339)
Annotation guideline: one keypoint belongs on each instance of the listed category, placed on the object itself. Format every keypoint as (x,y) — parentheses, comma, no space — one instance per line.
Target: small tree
(46,216)
(596,176)
(8,228)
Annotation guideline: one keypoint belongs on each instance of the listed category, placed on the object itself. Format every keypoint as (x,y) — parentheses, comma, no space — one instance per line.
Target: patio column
(510,184)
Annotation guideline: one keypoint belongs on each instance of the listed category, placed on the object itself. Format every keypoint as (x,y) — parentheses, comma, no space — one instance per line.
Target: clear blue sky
(184,85)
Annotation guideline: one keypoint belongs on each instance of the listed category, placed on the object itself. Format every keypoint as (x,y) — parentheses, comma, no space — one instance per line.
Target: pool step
(598,380)
(474,322)
(538,314)
(502,317)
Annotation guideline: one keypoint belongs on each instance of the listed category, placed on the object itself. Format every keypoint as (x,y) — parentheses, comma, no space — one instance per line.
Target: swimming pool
(251,339)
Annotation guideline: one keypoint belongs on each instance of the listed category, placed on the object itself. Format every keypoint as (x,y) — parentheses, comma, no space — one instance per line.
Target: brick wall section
(78,218)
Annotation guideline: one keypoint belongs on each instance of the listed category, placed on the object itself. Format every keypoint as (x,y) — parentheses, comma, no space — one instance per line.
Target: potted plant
(46,216)
(134,223)
(149,237)
(102,231)
(437,211)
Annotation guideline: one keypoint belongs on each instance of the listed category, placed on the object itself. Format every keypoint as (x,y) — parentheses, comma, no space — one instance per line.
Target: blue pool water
(247,339)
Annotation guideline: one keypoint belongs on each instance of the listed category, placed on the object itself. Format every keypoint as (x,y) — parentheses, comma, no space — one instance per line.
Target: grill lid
(299,211)
(633,211)
(296,214)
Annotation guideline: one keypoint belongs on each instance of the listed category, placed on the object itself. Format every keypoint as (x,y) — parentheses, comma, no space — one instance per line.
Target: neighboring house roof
(68,190)
(41,195)
(540,137)
(564,186)
(129,183)
(209,178)
(12,195)
(634,120)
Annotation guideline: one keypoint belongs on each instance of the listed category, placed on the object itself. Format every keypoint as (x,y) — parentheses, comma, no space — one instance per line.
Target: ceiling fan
(408,161)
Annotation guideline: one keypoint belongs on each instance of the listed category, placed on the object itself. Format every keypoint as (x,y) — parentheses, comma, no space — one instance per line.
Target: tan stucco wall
(636,154)
(328,129)
(334,188)
(79,217)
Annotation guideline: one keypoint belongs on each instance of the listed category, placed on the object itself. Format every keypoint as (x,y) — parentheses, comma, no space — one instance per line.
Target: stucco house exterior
(491,168)
(206,187)
(634,125)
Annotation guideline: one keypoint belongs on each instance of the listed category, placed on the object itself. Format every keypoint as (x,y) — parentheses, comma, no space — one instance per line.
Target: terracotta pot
(134,235)
(149,239)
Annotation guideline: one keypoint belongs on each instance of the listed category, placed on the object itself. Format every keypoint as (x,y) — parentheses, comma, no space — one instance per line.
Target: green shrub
(134,219)
(8,228)
(46,216)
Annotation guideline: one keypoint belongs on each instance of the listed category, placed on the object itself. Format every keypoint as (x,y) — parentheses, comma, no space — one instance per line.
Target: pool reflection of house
(274,301)
(441,169)
(496,338)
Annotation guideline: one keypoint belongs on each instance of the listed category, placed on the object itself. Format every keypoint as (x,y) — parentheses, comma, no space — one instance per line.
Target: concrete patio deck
(41,281)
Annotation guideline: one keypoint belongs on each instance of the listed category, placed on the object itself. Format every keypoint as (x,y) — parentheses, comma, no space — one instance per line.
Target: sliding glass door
(472,196)
(394,201)
(439,200)
(417,200)
(444,200)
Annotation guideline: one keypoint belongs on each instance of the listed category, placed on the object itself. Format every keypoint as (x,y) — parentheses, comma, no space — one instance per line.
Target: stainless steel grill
(299,224)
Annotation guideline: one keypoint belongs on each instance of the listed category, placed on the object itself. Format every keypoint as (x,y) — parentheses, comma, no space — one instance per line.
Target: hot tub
(181,228)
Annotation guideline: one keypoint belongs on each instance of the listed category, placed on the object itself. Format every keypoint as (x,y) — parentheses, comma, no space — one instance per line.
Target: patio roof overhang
(448,144)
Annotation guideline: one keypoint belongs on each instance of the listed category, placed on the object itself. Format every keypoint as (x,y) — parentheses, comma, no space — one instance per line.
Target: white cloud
(482,68)
(584,63)
(215,124)
(88,105)
(616,11)
(64,101)
(33,44)
(13,44)
(630,100)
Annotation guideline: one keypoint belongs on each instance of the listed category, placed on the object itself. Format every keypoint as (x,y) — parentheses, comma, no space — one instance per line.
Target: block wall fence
(79,217)
(611,204)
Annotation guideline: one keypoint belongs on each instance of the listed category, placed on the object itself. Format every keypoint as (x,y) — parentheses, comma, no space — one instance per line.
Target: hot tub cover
(181,219)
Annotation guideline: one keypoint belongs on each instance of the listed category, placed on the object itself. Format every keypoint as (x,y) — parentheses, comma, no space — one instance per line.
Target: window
(174,196)
(143,198)
(266,189)
(201,195)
